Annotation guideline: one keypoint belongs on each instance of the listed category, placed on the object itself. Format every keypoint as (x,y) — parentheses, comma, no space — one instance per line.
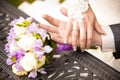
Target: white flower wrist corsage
(76,8)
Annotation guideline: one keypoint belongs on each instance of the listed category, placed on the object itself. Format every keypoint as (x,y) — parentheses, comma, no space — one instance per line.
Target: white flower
(48,49)
(19,30)
(26,42)
(30,62)
(19,73)
(13,47)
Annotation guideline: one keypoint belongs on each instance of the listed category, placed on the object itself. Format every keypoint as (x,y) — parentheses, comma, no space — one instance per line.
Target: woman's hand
(57,28)
(84,32)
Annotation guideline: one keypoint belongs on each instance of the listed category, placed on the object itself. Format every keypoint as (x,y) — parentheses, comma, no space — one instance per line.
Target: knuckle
(89,39)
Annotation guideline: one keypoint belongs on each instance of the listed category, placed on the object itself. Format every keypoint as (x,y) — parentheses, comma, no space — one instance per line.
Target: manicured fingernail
(65,41)
(88,47)
(82,50)
(74,48)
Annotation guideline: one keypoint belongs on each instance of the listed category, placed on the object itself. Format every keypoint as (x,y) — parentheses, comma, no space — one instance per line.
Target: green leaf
(30,1)
(17,39)
(36,35)
(54,46)
(61,1)
(16,3)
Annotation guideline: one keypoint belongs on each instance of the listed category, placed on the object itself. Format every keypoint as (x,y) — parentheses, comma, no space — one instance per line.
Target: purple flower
(7,47)
(9,61)
(14,22)
(32,74)
(62,47)
(43,33)
(42,71)
(19,53)
(33,28)
(38,49)
(15,56)
(11,36)
(18,66)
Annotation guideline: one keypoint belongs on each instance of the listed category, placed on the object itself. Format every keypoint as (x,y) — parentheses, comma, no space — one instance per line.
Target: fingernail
(65,41)
(88,47)
(82,50)
(74,48)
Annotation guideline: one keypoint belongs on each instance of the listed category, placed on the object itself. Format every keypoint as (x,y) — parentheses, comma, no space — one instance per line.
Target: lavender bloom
(62,47)
(15,56)
(7,47)
(33,28)
(38,49)
(19,54)
(11,36)
(14,22)
(42,71)
(9,61)
(18,66)
(43,33)
(32,74)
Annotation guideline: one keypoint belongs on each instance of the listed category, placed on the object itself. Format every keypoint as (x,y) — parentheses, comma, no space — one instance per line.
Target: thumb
(98,28)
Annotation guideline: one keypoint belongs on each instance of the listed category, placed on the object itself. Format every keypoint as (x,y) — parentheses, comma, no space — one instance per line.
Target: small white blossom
(29,62)
(13,47)
(19,30)
(26,42)
(48,49)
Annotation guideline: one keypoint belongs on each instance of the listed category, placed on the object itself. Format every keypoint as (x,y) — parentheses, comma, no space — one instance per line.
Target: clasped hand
(83,36)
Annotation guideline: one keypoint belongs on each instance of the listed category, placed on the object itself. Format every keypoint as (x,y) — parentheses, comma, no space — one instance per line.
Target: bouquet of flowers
(29,48)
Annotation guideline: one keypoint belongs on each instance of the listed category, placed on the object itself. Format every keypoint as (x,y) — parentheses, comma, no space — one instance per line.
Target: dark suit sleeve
(116,32)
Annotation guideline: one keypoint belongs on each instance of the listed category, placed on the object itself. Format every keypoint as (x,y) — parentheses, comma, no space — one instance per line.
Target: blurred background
(35,8)
(18,2)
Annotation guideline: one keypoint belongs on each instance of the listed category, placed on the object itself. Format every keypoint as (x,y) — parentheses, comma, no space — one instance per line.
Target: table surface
(69,66)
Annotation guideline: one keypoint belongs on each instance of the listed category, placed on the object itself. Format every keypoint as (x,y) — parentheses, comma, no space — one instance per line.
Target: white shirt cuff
(108,43)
